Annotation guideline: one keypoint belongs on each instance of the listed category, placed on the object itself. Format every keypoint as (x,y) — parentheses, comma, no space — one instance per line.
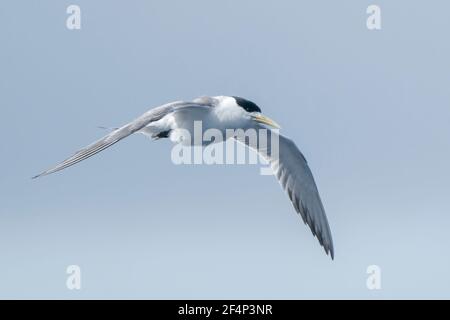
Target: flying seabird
(222,113)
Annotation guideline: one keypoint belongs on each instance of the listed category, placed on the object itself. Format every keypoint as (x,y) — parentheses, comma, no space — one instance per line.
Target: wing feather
(292,171)
(119,134)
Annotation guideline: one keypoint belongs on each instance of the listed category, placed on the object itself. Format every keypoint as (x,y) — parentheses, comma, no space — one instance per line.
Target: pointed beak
(258,117)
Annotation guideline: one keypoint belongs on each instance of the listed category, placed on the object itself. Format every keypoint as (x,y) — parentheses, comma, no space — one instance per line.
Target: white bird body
(176,120)
(225,115)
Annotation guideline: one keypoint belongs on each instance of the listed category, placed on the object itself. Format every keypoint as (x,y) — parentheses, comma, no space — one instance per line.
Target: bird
(174,119)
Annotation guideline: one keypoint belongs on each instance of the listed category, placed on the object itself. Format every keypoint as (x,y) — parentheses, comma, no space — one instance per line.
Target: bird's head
(237,108)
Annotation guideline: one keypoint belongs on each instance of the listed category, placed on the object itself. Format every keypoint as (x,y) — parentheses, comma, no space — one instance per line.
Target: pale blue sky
(369,109)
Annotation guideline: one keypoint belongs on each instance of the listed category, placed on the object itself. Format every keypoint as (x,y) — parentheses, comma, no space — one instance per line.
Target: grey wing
(295,177)
(119,134)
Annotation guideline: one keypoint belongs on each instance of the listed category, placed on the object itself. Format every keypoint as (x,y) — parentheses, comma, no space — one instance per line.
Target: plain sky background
(369,109)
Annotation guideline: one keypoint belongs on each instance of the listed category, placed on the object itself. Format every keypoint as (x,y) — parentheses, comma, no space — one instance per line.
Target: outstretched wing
(119,134)
(292,171)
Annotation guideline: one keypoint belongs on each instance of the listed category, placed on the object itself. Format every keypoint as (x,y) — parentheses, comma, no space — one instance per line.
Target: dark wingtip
(39,175)
(329,251)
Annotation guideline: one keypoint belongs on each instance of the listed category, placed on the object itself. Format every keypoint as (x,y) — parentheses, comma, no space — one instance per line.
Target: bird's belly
(190,127)
(195,128)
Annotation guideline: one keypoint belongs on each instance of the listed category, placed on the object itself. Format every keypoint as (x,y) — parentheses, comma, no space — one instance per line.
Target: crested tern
(226,112)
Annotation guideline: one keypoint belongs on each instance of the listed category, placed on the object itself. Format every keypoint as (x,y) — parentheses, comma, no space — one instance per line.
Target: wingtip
(39,175)
(331,253)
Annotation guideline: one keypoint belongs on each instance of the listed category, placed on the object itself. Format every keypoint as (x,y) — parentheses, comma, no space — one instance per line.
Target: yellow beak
(258,117)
